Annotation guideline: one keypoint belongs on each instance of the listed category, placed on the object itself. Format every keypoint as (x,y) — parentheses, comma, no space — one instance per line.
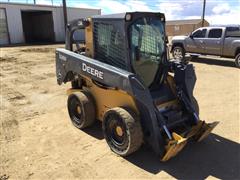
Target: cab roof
(121,16)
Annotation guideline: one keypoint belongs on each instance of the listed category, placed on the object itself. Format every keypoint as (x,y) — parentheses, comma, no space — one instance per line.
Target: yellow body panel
(89,39)
(106,99)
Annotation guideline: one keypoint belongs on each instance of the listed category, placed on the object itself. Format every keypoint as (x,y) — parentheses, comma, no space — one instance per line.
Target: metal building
(28,23)
(183,27)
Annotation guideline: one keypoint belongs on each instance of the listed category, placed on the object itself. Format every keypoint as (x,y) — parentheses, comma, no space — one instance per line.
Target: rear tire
(122,131)
(237,60)
(178,53)
(81,109)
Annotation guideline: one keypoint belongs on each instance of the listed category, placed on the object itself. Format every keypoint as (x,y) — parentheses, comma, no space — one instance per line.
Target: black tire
(178,53)
(81,109)
(237,60)
(130,137)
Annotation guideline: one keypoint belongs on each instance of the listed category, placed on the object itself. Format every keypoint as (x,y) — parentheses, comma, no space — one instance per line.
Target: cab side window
(233,32)
(109,45)
(215,33)
(78,41)
(200,33)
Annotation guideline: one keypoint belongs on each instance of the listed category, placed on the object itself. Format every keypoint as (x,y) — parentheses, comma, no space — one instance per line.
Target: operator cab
(133,41)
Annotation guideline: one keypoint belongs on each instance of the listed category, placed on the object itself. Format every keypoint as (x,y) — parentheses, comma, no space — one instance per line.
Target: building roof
(187,21)
(43,5)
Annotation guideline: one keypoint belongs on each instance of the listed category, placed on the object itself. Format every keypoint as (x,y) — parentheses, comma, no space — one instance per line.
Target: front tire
(122,131)
(178,53)
(81,109)
(237,60)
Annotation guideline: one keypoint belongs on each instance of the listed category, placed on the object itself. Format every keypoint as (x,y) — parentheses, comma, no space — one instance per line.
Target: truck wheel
(122,131)
(81,109)
(237,60)
(178,53)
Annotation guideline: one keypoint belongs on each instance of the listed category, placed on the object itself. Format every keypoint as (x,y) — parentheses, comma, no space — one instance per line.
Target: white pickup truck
(219,41)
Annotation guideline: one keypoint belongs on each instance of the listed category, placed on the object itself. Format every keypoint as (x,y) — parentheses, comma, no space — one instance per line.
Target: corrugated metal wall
(15,27)
(183,29)
(3,27)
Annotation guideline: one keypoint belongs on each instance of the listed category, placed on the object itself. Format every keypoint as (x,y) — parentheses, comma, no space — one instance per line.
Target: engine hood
(179,37)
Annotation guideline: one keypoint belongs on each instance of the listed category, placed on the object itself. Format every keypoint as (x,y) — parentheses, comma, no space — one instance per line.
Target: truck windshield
(147,47)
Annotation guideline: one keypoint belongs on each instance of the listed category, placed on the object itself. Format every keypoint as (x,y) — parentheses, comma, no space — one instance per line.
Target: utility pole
(203,13)
(34,1)
(65,14)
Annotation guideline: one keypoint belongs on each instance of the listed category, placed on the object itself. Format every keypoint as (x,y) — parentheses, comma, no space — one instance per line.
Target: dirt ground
(38,141)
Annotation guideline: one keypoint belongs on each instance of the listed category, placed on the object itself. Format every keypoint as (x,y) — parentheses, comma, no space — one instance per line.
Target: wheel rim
(238,61)
(116,132)
(178,53)
(119,131)
(75,110)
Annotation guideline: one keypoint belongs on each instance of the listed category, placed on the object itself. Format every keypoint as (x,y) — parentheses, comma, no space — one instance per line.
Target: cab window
(78,40)
(109,45)
(215,33)
(147,39)
(233,32)
(200,33)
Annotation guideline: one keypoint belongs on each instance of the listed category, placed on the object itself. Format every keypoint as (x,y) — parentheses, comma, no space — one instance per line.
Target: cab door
(214,41)
(195,42)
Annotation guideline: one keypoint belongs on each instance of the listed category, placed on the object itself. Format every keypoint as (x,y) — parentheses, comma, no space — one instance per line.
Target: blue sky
(217,11)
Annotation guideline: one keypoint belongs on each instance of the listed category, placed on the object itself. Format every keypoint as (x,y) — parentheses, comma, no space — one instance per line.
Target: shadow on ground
(215,156)
(95,130)
(211,61)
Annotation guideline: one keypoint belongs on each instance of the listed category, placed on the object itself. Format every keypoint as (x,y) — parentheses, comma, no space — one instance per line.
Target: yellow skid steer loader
(121,76)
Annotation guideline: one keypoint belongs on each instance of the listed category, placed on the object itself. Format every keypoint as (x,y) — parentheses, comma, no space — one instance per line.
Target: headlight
(128,17)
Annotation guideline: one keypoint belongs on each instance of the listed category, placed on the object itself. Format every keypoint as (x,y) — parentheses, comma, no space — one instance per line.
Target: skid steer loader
(121,76)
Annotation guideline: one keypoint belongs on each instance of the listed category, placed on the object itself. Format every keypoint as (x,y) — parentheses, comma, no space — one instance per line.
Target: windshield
(147,47)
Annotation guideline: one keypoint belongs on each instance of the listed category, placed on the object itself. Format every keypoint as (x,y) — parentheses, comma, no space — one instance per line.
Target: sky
(217,11)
